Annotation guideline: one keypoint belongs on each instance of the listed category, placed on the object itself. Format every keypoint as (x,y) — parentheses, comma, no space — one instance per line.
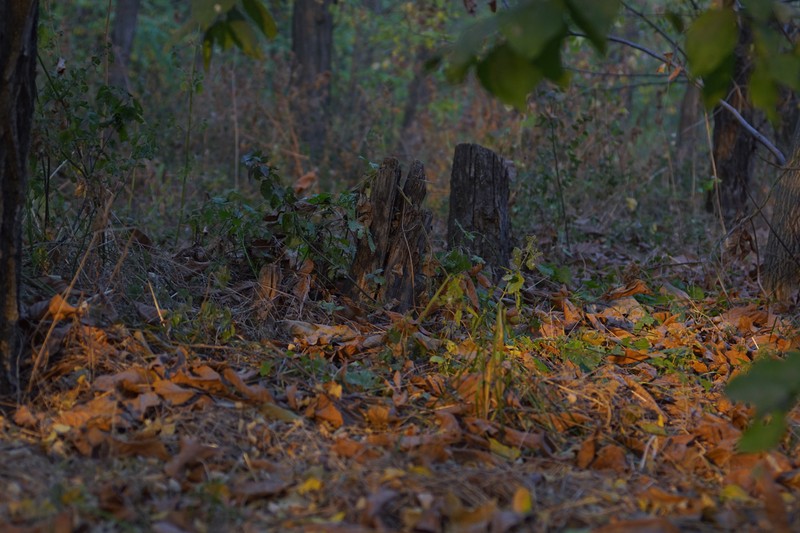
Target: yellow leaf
(392,473)
(735,493)
(653,429)
(502,450)
(420,470)
(276,412)
(334,389)
(522,502)
(311,484)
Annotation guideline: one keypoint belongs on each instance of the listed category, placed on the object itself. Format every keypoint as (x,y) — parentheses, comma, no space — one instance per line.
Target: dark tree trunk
(312,44)
(404,280)
(125,18)
(398,229)
(789,113)
(18,25)
(782,257)
(690,132)
(733,145)
(416,91)
(478,219)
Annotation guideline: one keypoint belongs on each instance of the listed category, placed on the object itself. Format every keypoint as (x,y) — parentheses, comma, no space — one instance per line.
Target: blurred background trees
(135,125)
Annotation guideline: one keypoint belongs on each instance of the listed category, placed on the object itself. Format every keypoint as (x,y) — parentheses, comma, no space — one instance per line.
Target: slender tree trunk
(689,131)
(18,25)
(789,113)
(733,145)
(125,18)
(312,44)
(782,257)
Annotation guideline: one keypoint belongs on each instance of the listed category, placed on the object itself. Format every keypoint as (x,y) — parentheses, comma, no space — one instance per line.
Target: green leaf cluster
(711,43)
(519,47)
(227,23)
(773,387)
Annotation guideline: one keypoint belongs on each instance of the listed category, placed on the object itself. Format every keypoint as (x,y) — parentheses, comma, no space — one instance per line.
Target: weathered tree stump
(478,220)
(387,270)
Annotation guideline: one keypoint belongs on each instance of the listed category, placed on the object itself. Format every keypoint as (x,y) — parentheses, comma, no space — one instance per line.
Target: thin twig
(658,30)
(698,83)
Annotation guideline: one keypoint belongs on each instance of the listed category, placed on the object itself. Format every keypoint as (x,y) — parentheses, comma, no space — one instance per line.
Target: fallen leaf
(522,501)
(190,452)
(276,412)
(635,287)
(172,392)
(326,411)
(611,457)
(152,447)
(256,490)
(644,525)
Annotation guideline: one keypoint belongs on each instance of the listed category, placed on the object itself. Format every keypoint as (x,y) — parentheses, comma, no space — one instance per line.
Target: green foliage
(773,387)
(322,227)
(227,23)
(557,273)
(361,378)
(711,42)
(90,137)
(518,48)
(526,44)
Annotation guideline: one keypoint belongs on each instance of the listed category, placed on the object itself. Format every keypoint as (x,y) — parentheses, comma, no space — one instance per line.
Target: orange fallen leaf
(635,287)
(255,490)
(131,376)
(326,411)
(378,416)
(611,457)
(172,392)
(23,417)
(202,377)
(190,452)
(586,452)
(644,525)
(255,393)
(151,447)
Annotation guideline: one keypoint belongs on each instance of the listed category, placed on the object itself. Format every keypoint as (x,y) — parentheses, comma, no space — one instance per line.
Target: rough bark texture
(479,220)
(733,145)
(126,15)
(312,45)
(789,113)
(782,257)
(18,21)
(397,225)
(407,242)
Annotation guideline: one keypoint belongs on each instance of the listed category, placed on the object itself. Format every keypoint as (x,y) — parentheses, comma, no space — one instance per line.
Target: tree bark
(18,26)
(404,280)
(125,18)
(733,145)
(478,219)
(312,45)
(689,131)
(789,113)
(397,238)
(782,257)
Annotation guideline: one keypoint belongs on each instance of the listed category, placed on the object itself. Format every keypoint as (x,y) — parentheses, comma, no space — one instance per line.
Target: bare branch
(739,118)
(658,30)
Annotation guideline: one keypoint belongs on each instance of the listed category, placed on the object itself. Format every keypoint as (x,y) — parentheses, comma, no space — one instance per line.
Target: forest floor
(573,406)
